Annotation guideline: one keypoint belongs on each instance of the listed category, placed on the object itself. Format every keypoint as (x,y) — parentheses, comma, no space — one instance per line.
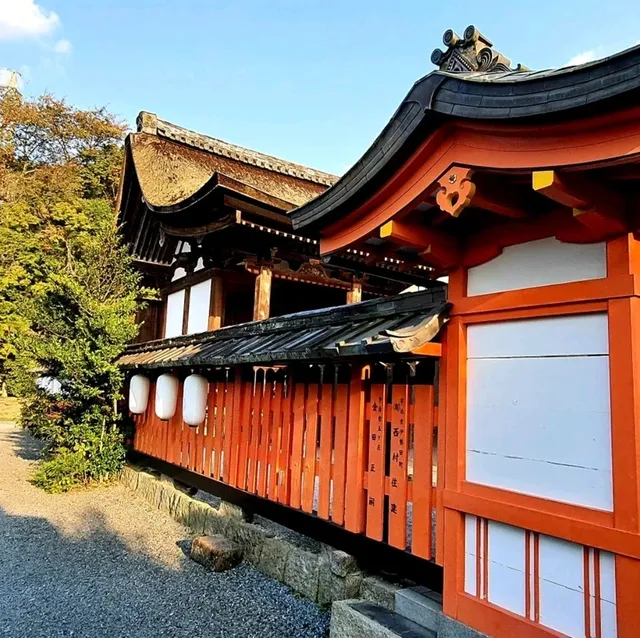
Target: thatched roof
(173,164)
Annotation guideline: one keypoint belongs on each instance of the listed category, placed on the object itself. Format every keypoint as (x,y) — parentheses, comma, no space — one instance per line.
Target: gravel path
(101,562)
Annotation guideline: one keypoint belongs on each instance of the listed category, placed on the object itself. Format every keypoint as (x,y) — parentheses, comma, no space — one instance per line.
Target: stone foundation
(323,577)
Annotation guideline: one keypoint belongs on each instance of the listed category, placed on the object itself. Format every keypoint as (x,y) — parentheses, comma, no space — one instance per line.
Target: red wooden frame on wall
(618,531)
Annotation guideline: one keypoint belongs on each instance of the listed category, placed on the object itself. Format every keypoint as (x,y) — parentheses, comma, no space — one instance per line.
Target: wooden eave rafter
(599,209)
(435,247)
(597,141)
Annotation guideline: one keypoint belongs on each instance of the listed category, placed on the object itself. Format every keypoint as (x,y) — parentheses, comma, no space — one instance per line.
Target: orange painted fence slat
(360,454)
(298,443)
(377,413)
(398,467)
(285,454)
(264,441)
(310,449)
(326,445)
(275,442)
(341,412)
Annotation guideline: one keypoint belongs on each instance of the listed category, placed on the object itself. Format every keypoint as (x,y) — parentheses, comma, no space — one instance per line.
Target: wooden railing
(351,450)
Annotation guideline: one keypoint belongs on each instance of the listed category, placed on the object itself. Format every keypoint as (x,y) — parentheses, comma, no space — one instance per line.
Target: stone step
(422,606)
(364,619)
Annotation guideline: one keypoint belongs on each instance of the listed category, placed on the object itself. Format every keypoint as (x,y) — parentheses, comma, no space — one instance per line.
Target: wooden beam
(437,248)
(216,308)
(355,294)
(598,208)
(506,205)
(262,297)
(429,349)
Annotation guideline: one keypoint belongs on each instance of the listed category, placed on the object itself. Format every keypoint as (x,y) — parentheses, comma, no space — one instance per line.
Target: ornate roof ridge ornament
(472,52)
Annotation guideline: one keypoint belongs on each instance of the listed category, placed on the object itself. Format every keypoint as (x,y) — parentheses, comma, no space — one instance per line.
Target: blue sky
(309,81)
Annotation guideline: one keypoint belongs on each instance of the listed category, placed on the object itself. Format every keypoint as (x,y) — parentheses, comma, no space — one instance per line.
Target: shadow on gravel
(94,584)
(24,445)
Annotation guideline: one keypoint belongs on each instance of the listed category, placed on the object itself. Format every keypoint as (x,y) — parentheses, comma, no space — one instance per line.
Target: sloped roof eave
(512,96)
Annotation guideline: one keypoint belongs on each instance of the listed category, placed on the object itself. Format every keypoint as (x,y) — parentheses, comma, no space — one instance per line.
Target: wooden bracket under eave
(599,209)
(435,247)
(457,191)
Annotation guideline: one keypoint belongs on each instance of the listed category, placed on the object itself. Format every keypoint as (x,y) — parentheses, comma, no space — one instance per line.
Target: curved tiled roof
(384,327)
(516,96)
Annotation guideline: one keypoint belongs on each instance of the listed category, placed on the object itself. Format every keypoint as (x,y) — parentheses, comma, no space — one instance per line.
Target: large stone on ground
(216,552)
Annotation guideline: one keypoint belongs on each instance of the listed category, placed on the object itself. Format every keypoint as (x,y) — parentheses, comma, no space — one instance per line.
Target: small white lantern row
(166,396)
(194,399)
(138,394)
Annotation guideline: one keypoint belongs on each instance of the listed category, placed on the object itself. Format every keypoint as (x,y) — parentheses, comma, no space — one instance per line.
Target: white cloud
(25,18)
(583,58)
(62,46)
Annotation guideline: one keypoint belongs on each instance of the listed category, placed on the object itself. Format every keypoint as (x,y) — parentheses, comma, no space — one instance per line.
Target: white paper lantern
(138,394)
(166,396)
(194,400)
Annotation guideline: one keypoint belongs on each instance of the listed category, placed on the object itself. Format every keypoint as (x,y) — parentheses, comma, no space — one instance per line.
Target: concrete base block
(416,605)
(362,619)
(424,607)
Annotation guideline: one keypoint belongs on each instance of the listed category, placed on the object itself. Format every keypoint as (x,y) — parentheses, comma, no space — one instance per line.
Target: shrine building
(484,434)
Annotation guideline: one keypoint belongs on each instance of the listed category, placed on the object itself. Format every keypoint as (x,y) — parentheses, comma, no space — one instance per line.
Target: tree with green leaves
(68,291)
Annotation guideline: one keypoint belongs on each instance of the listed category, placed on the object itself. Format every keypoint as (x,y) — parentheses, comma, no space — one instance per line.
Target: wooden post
(355,294)
(216,308)
(185,310)
(262,298)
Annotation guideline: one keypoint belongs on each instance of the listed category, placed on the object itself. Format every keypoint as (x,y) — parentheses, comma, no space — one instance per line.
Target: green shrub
(61,471)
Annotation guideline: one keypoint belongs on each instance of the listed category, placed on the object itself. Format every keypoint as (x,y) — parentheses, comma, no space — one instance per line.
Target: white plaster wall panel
(608,595)
(470,555)
(538,263)
(541,426)
(539,396)
(175,314)
(199,302)
(538,422)
(506,568)
(562,586)
(571,335)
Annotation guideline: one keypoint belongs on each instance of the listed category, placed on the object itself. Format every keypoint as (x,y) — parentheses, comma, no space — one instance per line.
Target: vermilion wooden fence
(351,451)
